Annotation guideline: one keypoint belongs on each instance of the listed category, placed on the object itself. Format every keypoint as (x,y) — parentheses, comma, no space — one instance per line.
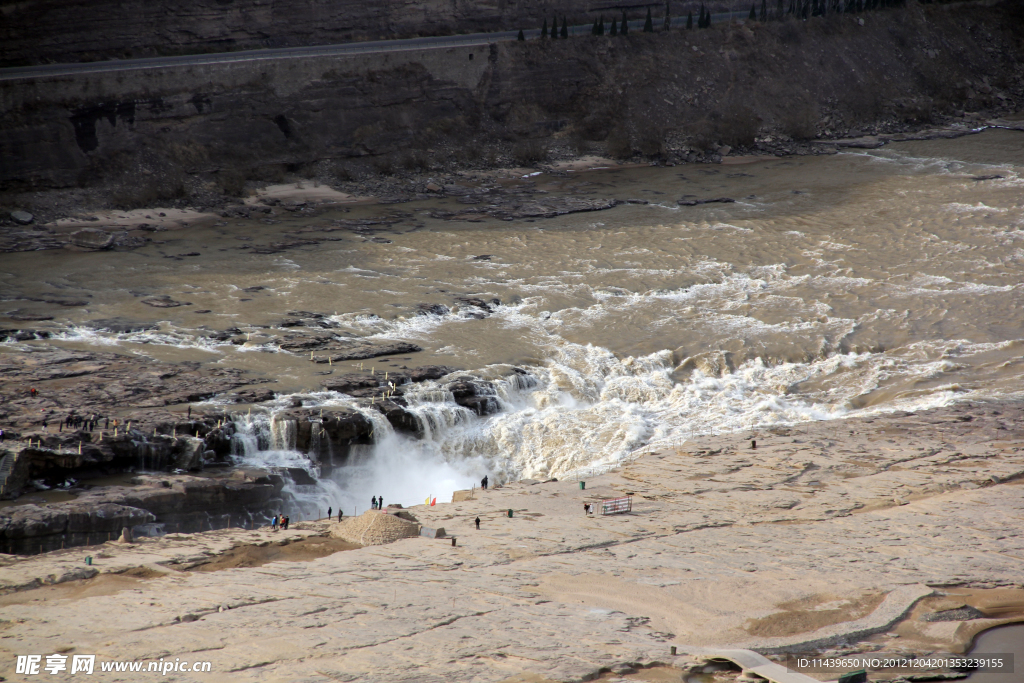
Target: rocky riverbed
(73,418)
(897,533)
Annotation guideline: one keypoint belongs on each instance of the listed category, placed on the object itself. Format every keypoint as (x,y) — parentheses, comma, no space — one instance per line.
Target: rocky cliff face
(43,31)
(179,503)
(665,95)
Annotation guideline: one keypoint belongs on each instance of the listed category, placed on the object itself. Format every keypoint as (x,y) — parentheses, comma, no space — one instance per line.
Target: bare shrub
(619,145)
(791,32)
(269,173)
(231,181)
(472,151)
(800,121)
(738,127)
(150,191)
(342,172)
(529,152)
(384,165)
(651,143)
(415,160)
(916,111)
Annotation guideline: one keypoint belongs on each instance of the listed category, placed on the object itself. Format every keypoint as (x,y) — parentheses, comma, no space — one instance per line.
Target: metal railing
(615,506)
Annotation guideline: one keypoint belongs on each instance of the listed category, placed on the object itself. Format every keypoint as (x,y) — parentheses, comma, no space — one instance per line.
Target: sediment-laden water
(866,281)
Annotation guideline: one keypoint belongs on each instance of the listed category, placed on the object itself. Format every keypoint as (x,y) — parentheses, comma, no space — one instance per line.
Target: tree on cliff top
(544,29)
(624,26)
(521,36)
(615,28)
(668,14)
(600,26)
(753,14)
(565,28)
(554,27)
(649,24)
(689,19)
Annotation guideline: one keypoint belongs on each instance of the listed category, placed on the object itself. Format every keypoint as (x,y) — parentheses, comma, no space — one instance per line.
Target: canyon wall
(664,95)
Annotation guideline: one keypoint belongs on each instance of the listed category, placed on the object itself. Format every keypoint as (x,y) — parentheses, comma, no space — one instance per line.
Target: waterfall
(282,434)
(584,410)
(316,427)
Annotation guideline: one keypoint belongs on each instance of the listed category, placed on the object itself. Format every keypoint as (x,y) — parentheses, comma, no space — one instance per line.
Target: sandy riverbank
(823,534)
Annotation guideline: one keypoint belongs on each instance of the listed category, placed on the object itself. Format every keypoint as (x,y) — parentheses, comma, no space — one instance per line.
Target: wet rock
(481,405)
(362,350)
(477,397)
(432,309)
(70,303)
(254,396)
(401,419)
(22,217)
(433,187)
(427,372)
(121,326)
(293,344)
(696,202)
(92,238)
(164,302)
(349,383)
(188,453)
(28,317)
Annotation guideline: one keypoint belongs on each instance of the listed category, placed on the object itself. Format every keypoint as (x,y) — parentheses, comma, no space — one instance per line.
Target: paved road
(472,39)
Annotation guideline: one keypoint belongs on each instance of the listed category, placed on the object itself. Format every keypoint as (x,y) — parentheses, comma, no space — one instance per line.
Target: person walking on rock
(339,515)
(478,523)
(273,523)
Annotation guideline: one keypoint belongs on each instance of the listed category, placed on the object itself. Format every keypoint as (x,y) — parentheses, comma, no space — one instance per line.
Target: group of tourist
(280,522)
(377,503)
(76,421)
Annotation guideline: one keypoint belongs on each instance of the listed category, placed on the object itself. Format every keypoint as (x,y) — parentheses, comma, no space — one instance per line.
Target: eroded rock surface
(813,531)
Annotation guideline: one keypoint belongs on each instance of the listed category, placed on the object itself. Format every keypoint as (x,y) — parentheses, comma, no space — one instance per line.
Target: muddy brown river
(871,280)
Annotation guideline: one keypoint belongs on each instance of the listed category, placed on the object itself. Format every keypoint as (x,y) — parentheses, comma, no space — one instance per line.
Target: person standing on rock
(329,513)
(286,520)
(339,514)
(373,503)
(483,483)
(477,523)
(380,502)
